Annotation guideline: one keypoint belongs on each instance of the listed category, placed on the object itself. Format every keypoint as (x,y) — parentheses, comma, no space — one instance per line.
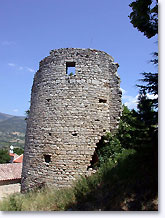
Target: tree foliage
(137,130)
(127,131)
(146,112)
(144,16)
(151,83)
(4,156)
(18,151)
(108,148)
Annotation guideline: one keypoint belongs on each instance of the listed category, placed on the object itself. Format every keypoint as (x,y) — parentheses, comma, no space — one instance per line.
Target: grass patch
(47,199)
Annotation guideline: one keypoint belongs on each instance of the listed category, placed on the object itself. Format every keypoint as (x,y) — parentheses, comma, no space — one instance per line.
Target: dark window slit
(102,100)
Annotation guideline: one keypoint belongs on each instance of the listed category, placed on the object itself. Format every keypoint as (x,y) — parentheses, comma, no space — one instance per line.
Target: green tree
(144,16)
(108,148)
(151,83)
(146,112)
(4,156)
(127,131)
(149,117)
(133,131)
(18,151)
(126,137)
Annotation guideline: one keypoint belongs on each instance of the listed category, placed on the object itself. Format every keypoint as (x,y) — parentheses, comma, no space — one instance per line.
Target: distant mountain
(4,116)
(13,124)
(12,130)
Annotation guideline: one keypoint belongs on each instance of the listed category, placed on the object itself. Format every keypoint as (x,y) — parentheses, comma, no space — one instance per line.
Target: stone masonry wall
(68,115)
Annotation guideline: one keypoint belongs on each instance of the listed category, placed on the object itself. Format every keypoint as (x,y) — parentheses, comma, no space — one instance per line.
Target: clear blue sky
(31,28)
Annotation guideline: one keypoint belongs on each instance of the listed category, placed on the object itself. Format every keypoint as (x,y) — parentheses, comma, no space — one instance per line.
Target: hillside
(12,130)
(4,116)
(13,124)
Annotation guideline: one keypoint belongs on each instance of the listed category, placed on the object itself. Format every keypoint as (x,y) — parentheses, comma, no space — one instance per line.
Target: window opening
(47,158)
(70,68)
(102,100)
(74,134)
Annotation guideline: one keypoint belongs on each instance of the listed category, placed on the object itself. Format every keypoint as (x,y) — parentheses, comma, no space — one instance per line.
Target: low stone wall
(6,190)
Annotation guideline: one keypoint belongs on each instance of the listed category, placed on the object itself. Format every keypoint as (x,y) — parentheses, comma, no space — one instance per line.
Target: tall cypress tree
(144,17)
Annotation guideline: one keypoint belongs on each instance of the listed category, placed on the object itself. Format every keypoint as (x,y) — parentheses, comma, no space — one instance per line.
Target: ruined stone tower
(68,115)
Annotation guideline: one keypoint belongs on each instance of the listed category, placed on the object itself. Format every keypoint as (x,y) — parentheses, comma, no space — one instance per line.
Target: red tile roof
(19,159)
(13,155)
(10,171)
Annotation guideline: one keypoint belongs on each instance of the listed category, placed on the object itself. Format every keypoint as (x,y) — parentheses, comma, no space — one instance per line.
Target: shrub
(108,147)
(4,156)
